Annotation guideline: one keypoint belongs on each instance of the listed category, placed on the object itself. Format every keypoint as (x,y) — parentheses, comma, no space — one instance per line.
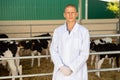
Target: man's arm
(54,51)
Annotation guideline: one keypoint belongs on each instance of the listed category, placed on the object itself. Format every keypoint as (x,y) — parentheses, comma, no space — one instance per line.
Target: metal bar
(119,22)
(25,57)
(11,25)
(86,9)
(101,30)
(52,32)
(24,38)
(17,33)
(105,35)
(79,10)
(102,23)
(43,56)
(30,75)
(107,69)
(27,32)
(48,74)
(106,52)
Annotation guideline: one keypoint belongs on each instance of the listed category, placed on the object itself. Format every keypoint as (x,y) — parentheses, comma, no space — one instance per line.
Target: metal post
(118,25)
(79,10)
(86,9)
(119,16)
(119,22)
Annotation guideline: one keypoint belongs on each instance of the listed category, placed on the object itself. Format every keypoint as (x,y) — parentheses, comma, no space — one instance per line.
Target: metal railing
(43,56)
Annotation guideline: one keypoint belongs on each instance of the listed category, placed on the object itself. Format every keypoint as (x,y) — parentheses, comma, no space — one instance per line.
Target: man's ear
(64,15)
(77,14)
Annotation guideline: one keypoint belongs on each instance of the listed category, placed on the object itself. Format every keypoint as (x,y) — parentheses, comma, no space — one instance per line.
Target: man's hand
(65,70)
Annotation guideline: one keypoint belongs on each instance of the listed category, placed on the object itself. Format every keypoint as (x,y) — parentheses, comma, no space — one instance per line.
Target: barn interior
(24,19)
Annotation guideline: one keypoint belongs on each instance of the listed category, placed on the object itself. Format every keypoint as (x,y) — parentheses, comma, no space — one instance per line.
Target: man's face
(70,14)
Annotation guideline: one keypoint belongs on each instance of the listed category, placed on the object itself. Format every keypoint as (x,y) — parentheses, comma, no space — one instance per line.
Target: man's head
(70,13)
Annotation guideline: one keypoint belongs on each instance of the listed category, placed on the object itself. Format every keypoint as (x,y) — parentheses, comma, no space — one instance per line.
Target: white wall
(36,27)
(101,26)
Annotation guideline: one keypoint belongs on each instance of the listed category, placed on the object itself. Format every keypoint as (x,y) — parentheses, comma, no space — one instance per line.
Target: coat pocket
(77,44)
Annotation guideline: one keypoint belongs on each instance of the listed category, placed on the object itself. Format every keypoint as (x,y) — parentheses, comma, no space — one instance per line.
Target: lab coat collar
(74,28)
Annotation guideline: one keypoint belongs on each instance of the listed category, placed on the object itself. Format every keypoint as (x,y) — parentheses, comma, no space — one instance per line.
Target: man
(70,48)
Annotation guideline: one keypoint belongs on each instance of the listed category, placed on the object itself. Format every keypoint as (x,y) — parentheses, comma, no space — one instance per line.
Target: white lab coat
(71,50)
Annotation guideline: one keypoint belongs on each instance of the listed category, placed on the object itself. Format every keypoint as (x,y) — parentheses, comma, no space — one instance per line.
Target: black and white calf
(39,45)
(100,58)
(9,49)
(36,46)
(98,42)
(45,43)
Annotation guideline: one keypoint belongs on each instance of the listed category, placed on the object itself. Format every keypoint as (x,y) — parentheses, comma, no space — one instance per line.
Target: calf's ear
(101,40)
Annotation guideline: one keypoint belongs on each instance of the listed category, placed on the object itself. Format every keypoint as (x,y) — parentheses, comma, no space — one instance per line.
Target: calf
(101,58)
(9,49)
(36,46)
(45,43)
(40,45)
(96,42)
